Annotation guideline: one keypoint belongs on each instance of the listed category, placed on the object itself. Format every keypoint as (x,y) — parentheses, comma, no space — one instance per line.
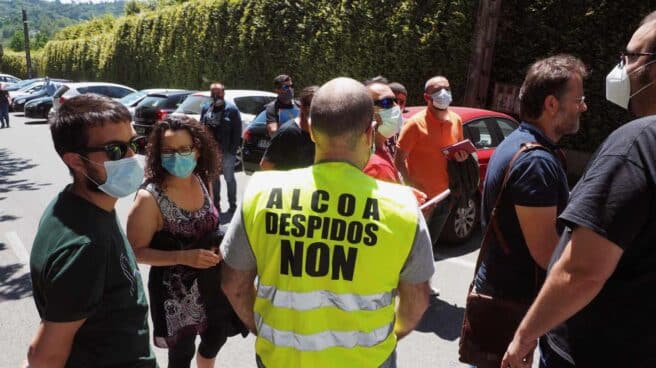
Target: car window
(175,102)
(192,105)
(131,98)
(506,126)
(260,119)
(83,90)
(252,104)
(153,101)
(99,90)
(479,132)
(117,92)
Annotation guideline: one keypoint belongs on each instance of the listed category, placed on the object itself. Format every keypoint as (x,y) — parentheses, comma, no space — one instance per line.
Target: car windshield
(153,101)
(25,83)
(131,98)
(252,104)
(193,105)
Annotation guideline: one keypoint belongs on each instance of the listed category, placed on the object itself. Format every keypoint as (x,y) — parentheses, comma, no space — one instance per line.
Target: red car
(486,129)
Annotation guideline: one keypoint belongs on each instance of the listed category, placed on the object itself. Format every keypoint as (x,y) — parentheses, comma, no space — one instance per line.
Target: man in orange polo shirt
(419,158)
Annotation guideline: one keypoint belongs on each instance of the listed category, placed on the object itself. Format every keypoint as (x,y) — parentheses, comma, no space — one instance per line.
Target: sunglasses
(117,150)
(385,103)
(287,87)
(627,57)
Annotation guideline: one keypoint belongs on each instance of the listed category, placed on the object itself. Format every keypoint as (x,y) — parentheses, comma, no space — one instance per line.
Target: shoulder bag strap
(492,223)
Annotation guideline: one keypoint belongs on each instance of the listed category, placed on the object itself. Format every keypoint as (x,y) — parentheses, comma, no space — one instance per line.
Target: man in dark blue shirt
(600,286)
(224,120)
(551,101)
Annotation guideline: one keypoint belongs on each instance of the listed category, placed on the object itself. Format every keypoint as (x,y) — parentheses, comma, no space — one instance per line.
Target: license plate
(263,143)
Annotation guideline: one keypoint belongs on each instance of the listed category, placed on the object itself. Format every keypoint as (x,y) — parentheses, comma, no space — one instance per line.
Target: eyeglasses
(286,87)
(183,151)
(117,150)
(626,57)
(385,103)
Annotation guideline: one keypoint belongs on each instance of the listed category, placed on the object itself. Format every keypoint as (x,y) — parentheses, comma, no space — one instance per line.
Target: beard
(567,125)
(89,179)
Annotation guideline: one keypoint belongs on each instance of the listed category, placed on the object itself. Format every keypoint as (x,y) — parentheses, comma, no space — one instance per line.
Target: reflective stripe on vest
(322,340)
(323,298)
(330,244)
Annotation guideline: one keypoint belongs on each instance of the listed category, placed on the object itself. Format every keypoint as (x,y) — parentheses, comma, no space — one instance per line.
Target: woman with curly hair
(173,226)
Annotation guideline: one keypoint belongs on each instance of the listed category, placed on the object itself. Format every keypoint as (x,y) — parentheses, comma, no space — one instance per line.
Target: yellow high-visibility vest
(330,243)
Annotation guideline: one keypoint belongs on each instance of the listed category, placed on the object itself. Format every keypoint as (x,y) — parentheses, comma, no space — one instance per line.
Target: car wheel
(461,224)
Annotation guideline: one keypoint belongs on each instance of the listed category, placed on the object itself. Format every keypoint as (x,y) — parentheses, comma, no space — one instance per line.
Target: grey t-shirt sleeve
(419,266)
(235,247)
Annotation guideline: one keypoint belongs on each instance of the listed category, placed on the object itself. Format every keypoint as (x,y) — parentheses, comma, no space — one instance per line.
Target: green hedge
(247,43)
(595,31)
(14,63)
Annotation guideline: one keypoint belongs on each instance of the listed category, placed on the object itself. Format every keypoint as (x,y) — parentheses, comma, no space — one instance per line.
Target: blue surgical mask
(124,176)
(179,165)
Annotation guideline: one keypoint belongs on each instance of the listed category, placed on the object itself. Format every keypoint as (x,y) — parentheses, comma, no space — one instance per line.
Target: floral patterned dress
(176,305)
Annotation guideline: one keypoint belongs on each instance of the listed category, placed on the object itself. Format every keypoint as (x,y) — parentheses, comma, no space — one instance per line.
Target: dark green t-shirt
(82,266)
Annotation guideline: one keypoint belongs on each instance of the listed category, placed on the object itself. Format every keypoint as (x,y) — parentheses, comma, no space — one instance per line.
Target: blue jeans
(231,182)
(4,115)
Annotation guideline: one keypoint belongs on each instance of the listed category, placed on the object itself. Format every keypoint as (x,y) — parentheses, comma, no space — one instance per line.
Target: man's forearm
(563,295)
(410,309)
(242,301)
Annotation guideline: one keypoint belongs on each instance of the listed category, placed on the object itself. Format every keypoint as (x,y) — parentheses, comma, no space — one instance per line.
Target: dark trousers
(4,115)
(437,219)
(182,353)
(231,182)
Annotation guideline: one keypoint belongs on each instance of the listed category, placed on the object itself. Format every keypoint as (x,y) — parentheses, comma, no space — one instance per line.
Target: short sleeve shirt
(278,112)
(381,166)
(82,267)
(616,198)
(537,179)
(291,148)
(423,137)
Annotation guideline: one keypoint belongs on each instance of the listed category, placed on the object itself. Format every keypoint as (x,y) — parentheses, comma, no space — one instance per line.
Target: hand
(519,354)
(200,258)
(461,156)
(419,195)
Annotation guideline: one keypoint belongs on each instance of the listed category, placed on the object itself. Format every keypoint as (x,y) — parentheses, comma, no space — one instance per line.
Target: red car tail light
(161,115)
(247,135)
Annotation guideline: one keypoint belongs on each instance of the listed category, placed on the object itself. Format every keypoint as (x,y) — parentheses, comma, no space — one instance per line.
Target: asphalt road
(31,174)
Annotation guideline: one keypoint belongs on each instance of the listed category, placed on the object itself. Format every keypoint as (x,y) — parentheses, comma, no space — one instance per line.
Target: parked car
(38,108)
(21,84)
(255,140)
(18,102)
(132,100)
(249,102)
(156,106)
(8,78)
(68,90)
(485,128)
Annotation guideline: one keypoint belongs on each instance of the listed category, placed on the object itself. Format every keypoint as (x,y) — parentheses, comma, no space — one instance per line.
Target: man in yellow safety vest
(331,247)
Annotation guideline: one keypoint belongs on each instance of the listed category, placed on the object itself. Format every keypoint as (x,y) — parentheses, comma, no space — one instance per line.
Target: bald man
(419,157)
(332,249)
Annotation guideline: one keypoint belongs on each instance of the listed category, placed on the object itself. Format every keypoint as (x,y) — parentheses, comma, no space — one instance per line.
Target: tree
(132,7)
(38,41)
(17,42)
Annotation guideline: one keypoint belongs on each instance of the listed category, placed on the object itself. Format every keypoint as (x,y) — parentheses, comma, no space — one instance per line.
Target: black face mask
(219,104)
